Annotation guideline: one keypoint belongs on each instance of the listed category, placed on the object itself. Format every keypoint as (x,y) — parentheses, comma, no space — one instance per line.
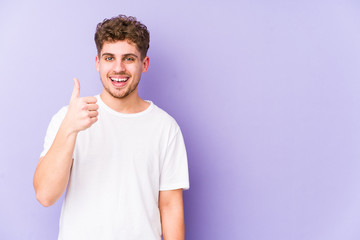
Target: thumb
(76,91)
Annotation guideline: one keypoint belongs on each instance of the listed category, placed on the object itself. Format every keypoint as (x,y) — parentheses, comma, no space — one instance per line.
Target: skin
(53,170)
(172,214)
(120,59)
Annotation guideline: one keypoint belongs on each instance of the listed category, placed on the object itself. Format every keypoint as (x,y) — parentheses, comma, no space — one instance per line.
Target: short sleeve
(174,173)
(52,129)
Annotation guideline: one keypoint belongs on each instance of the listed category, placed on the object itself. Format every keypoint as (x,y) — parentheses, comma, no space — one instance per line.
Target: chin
(120,94)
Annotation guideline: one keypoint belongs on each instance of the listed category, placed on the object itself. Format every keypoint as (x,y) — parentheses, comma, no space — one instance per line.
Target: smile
(119,79)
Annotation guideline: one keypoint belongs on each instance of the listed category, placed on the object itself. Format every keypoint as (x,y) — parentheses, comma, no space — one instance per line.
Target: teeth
(119,79)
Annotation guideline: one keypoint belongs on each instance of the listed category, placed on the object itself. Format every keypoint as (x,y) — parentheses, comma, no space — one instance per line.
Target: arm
(172,214)
(53,170)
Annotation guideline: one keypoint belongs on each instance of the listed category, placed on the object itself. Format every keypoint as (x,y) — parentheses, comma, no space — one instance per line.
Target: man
(121,159)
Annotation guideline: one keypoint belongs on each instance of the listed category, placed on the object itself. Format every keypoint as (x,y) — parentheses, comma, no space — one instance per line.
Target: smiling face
(120,66)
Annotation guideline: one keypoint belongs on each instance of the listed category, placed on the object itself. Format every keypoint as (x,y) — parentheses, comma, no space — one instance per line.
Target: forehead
(120,48)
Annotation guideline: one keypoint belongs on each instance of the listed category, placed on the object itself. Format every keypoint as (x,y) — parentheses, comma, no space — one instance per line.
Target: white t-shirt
(120,164)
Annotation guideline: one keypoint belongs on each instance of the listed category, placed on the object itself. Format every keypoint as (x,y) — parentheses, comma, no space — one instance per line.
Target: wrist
(67,129)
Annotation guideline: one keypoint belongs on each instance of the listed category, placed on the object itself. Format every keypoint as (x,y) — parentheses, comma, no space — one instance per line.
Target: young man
(122,159)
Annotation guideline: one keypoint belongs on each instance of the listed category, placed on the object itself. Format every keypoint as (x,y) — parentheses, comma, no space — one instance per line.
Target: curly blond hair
(123,28)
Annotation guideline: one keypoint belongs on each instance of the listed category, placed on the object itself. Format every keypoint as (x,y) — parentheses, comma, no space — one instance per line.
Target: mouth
(119,81)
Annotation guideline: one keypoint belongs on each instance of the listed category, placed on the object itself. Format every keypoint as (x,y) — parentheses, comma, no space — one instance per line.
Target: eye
(109,58)
(129,59)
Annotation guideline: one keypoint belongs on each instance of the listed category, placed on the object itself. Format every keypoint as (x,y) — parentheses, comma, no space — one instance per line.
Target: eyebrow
(107,54)
(124,55)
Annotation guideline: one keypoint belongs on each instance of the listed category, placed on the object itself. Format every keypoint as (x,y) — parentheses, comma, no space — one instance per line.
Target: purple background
(266,94)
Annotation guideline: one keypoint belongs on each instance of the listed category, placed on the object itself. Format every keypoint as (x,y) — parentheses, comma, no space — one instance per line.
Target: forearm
(53,170)
(172,221)
(52,173)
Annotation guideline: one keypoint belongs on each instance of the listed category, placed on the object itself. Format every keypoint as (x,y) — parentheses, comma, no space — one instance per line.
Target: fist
(82,111)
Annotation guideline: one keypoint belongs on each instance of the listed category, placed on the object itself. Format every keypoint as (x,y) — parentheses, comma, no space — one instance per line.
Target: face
(120,66)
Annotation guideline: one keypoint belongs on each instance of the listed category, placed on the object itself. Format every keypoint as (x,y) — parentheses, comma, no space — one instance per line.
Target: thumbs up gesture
(82,111)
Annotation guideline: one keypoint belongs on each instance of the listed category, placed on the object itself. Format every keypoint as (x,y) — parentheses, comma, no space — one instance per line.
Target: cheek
(104,69)
(103,73)
(139,69)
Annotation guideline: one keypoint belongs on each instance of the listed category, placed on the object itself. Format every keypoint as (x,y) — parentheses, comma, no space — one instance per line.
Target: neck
(129,104)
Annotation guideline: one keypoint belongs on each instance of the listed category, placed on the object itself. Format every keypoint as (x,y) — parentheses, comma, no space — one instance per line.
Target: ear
(146,63)
(97,63)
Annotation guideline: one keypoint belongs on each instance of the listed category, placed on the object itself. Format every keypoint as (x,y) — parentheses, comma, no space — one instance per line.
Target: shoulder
(164,118)
(61,112)
(59,116)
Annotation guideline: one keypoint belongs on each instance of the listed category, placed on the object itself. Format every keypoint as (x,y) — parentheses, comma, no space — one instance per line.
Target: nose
(119,66)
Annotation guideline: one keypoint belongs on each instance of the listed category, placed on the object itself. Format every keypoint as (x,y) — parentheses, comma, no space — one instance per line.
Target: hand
(82,112)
